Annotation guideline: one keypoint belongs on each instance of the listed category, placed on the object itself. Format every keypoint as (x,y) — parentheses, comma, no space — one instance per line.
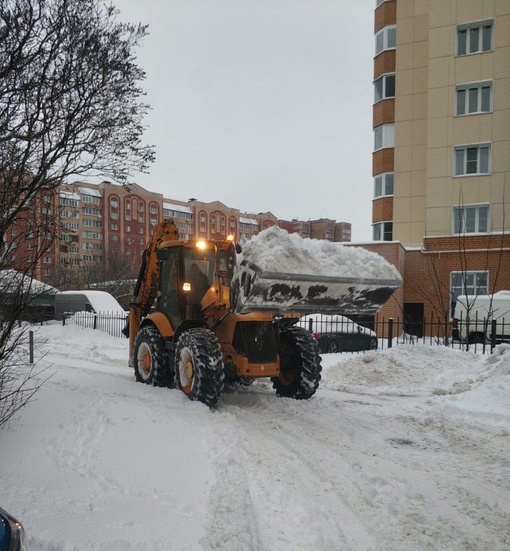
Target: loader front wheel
(300,364)
(152,362)
(199,366)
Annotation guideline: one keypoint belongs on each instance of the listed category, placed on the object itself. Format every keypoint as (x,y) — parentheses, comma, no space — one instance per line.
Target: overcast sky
(264,105)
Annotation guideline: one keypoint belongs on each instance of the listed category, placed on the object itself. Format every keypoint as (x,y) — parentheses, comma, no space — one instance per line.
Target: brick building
(441,163)
(102,230)
(323,228)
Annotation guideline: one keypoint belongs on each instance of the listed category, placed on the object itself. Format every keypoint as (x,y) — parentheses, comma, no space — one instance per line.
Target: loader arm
(147,283)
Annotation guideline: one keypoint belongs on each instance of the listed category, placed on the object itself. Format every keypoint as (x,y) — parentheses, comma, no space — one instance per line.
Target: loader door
(170,301)
(199,271)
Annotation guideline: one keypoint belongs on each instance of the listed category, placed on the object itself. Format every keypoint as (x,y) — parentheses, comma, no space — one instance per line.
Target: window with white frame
(384,136)
(383,184)
(473,98)
(472,159)
(386,39)
(383,231)
(475,37)
(467,283)
(384,87)
(471,219)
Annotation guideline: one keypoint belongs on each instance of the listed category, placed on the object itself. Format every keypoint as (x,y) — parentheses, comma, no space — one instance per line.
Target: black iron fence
(110,322)
(478,334)
(341,334)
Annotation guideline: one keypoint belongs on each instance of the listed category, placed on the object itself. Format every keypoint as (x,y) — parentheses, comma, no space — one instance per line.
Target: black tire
(152,362)
(372,345)
(199,369)
(300,364)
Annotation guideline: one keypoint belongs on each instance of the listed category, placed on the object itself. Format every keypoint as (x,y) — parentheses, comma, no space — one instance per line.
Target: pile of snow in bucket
(274,249)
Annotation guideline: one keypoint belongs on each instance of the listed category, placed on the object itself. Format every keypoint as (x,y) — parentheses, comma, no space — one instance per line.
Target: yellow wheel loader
(203,315)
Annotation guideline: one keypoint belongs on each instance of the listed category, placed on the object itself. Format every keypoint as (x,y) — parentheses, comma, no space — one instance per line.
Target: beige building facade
(441,160)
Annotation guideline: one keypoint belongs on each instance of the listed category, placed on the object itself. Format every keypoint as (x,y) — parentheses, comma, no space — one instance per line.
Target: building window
(471,219)
(383,184)
(472,159)
(383,231)
(467,283)
(475,37)
(386,39)
(384,88)
(384,136)
(473,98)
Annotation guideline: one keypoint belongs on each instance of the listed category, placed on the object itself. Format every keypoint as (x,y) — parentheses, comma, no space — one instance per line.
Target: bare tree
(70,104)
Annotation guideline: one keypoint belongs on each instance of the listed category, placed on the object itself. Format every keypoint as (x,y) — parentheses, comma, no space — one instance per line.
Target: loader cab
(187,272)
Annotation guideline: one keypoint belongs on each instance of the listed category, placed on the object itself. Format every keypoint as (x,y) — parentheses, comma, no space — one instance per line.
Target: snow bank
(460,385)
(486,395)
(276,249)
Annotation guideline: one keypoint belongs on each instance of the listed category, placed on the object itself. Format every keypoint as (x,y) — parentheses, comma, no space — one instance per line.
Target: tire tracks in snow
(366,481)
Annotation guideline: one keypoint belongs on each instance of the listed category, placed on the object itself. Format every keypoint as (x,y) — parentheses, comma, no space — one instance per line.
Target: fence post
(493,334)
(390,332)
(31,346)
(95,321)
(310,325)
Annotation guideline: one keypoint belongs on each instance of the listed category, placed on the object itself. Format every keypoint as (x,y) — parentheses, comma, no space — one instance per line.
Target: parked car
(12,535)
(339,334)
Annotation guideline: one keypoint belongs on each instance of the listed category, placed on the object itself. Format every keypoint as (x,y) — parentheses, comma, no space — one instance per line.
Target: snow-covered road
(403,449)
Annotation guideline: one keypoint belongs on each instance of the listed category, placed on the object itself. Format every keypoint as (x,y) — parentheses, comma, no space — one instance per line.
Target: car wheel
(373,344)
(332,347)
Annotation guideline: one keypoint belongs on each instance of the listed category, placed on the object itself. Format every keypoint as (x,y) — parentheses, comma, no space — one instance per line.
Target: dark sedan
(339,334)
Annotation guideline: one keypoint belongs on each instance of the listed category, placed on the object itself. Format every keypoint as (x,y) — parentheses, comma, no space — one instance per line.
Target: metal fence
(110,322)
(476,334)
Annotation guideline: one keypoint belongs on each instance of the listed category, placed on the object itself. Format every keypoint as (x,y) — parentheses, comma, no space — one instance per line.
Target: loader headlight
(186,287)
(12,535)
(202,245)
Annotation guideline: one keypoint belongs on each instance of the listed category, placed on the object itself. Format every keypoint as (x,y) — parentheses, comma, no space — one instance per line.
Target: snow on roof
(88,191)
(69,195)
(177,208)
(245,220)
(290,253)
(11,280)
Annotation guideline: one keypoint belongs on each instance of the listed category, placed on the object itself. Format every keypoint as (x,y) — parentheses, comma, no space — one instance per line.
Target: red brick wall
(385,62)
(382,209)
(385,14)
(383,112)
(383,160)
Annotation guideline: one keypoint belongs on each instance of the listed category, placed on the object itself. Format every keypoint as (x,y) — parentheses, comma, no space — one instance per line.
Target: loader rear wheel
(199,366)
(152,362)
(300,364)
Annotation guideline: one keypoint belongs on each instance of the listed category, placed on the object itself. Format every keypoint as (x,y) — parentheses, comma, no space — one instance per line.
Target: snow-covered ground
(401,449)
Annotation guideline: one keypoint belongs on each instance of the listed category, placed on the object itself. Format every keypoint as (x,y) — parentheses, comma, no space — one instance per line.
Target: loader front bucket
(307,293)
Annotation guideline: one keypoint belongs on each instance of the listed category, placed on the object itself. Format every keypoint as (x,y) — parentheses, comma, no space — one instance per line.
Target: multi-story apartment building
(323,228)
(102,230)
(441,160)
